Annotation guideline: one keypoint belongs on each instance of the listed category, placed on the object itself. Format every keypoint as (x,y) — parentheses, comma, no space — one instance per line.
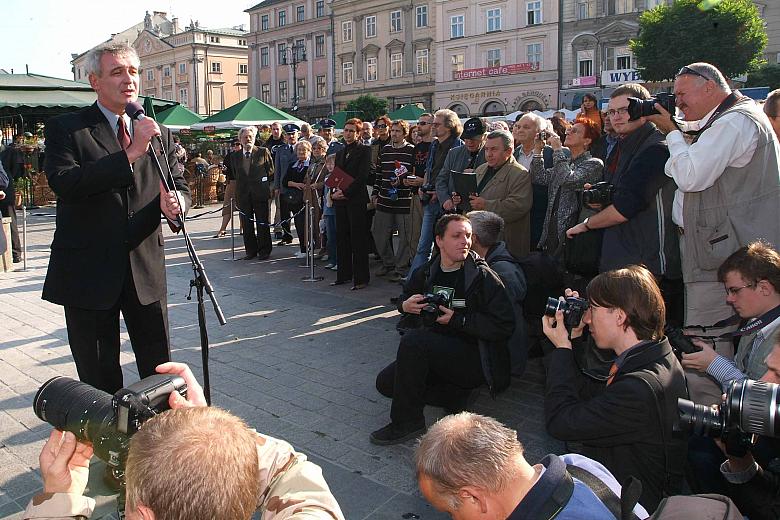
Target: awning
(178,117)
(250,112)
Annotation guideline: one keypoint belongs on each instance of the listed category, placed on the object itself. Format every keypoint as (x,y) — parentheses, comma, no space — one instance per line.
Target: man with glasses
(772,110)
(637,224)
(726,169)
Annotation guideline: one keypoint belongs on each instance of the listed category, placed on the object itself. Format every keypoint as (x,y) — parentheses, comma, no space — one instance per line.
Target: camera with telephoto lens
(646,107)
(749,408)
(431,311)
(104,420)
(599,193)
(573,309)
(680,343)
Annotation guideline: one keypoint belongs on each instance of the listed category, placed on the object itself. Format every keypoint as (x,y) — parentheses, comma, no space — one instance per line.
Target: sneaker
(383,270)
(393,434)
(300,254)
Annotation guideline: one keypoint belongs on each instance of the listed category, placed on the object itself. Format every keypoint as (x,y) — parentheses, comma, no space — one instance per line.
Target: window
(243,68)
(422,16)
(395,21)
(265,92)
(166,72)
(322,89)
(301,88)
(300,13)
(264,57)
(421,61)
(494,57)
(242,42)
(216,67)
(347,73)
(264,22)
(150,75)
(584,63)
(281,50)
(300,50)
(320,8)
(396,65)
(182,68)
(319,46)
(370,26)
(620,6)
(282,92)
(214,39)
(346,32)
(624,62)
(650,4)
(456,26)
(183,96)
(458,62)
(535,54)
(534,12)
(582,11)
(617,58)
(493,20)
(167,94)
(282,18)
(371,69)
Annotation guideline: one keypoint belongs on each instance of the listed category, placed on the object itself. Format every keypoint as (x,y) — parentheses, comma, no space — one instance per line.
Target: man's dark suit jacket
(250,184)
(108,214)
(356,161)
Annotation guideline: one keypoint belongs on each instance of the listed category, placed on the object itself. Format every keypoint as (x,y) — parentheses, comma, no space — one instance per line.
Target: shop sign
(501,70)
(584,81)
(474,96)
(611,78)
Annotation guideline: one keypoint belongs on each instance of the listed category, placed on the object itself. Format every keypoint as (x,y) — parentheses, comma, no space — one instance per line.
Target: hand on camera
(699,360)
(662,120)
(445,316)
(195,396)
(413,305)
(555,142)
(64,463)
(449,204)
(554,327)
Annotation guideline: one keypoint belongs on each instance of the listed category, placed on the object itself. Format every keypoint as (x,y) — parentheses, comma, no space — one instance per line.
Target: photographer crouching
(462,318)
(626,425)
(191,462)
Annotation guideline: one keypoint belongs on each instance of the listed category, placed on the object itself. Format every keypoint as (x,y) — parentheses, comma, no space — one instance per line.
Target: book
(338,178)
(465,185)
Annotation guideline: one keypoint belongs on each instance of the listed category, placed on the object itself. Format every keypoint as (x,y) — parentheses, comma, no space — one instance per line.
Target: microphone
(135,110)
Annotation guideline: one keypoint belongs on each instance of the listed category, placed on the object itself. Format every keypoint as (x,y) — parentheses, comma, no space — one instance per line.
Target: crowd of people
(633,220)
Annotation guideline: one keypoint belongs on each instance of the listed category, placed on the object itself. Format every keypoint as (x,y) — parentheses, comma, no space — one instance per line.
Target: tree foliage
(729,34)
(767,76)
(368,107)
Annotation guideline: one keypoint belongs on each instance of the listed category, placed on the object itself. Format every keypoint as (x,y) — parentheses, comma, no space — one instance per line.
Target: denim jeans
(431,213)
(330,231)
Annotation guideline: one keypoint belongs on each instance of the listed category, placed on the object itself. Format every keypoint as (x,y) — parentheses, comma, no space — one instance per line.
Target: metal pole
(232,231)
(305,227)
(310,251)
(24,237)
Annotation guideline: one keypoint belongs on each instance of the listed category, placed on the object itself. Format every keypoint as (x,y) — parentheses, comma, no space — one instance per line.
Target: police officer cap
(290,128)
(474,127)
(327,123)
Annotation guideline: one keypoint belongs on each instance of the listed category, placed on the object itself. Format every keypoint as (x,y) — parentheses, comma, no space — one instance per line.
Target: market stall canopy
(249,112)
(571,115)
(407,113)
(178,117)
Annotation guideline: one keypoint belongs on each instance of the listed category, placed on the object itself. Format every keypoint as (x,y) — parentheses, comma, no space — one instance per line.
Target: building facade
(291,56)
(770,13)
(384,48)
(496,57)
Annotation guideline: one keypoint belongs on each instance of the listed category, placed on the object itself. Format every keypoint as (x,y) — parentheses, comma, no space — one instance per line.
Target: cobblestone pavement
(296,360)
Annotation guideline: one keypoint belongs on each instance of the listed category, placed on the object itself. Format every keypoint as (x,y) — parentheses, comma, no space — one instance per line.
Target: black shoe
(392,434)
(264,257)
(17,259)
(339,282)
(248,257)
(284,242)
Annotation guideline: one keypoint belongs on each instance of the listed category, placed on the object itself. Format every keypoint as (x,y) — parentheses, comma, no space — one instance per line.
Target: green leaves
(367,107)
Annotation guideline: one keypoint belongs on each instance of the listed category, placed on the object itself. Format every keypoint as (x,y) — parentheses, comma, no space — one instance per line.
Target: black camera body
(680,343)
(428,188)
(431,311)
(573,310)
(544,135)
(599,193)
(749,408)
(646,107)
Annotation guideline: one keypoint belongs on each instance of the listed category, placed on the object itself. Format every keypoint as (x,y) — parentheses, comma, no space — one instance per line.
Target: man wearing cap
(463,159)
(285,156)
(327,127)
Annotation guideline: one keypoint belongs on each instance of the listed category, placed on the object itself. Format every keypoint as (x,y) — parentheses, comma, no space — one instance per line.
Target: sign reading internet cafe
(501,70)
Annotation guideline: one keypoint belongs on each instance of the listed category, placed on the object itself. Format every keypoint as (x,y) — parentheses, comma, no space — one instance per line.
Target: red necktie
(121,134)
(612,371)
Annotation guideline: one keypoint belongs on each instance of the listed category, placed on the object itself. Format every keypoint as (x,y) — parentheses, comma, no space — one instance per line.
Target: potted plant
(22,186)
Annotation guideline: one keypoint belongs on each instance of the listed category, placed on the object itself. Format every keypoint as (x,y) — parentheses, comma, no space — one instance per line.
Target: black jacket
(250,183)
(623,425)
(488,315)
(355,160)
(108,215)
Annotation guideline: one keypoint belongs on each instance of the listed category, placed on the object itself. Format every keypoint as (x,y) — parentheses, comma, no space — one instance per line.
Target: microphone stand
(200,281)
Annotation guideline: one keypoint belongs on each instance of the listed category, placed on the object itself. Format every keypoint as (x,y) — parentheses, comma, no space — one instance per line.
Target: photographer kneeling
(466,318)
(191,462)
(627,424)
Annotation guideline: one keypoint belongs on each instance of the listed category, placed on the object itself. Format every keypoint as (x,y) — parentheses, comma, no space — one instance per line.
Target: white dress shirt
(730,141)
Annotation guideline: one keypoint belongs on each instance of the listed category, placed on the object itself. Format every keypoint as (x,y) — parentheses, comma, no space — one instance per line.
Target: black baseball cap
(474,127)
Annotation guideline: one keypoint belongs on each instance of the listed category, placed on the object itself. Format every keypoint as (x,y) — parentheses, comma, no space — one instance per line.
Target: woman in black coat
(350,204)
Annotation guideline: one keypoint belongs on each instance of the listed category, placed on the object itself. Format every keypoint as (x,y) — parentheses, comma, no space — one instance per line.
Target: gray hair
(506,137)
(316,139)
(536,118)
(451,121)
(368,125)
(248,129)
(304,143)
(487,226)
(711,71)
(468,450)
(305,125)
(94,57)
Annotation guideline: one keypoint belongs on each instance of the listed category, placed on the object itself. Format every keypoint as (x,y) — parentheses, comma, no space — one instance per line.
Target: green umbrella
(249,112)
(177,117)
(149,108)
(407,113)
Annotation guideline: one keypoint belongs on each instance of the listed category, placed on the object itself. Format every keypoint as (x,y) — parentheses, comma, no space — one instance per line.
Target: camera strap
(726,104)
(744,330)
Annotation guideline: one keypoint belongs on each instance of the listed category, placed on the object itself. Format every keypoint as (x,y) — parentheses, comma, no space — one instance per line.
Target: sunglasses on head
(690,71)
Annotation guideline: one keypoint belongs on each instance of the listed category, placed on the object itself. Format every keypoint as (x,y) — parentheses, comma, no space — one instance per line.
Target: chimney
(175,25)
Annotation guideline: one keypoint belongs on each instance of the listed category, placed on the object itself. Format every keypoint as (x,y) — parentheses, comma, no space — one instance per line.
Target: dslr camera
(680,343)
(646,107)
(573,309)
(749,408)
(599,193)
(104,420)
(544,135)
(431,311)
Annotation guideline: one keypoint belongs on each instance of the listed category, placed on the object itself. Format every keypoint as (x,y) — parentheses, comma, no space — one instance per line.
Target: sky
(44,34)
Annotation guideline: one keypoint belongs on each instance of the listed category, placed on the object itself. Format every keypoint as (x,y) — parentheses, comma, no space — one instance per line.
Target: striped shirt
(388,156)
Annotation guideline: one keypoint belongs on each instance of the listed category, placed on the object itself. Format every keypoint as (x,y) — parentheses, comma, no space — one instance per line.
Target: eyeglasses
(688,70)
(381,125)
(423,123)
(618,111)
(733,291)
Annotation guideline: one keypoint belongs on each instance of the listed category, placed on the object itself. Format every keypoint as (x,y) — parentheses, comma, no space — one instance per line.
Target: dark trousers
(9,210)
(300,225)
(94,338)
(430,368)
(352,243)
(256,243)
(673,292)
(284,214)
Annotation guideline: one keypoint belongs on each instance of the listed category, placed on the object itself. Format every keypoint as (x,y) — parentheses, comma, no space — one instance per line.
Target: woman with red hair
(573,166)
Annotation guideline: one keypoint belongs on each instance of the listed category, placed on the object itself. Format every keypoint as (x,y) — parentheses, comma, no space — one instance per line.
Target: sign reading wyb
(618,77)
(501,70)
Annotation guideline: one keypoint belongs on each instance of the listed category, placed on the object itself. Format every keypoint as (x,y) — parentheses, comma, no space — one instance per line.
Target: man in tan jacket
(504,187)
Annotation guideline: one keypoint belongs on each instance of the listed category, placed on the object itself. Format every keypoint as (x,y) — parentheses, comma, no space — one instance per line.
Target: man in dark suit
(107,254)
(253,170)
(284,157)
